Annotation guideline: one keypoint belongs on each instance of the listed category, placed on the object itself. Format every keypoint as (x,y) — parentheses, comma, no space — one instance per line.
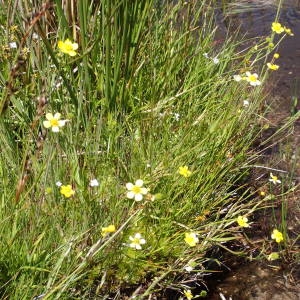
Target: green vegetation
(148,95)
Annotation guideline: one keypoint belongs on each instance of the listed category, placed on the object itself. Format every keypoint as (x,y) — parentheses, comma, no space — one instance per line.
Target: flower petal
(61,123)
(57,116)
(55,129)
(130,195)
(49,116)
(139,183)
(138,197)
(47,124)
(129,186)
(144,191)
(75,46)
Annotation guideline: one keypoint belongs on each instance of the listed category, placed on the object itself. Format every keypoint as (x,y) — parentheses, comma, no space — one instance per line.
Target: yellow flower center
(136,189)
(54,122)
(277,27)
(68,47)
(136,241)
(252,78)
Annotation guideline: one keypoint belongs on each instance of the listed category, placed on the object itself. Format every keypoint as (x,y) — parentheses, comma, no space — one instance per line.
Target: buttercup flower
(54,122)
(188,294)
(94,182)
(277,236)
(273,256)
(48,190)
(288,31)
(262,193)
(276,55)
(272,66)
(67,191)
(191,239)
(68,47)
(274,179)
(242,221)
(136,191)
(108,229)
(252,79)
(184,171)
(277,27)
(137,241)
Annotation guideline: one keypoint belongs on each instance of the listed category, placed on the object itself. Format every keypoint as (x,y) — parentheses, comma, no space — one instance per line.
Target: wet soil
(263,280)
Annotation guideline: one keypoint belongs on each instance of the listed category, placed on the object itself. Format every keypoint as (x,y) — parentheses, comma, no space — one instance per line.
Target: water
(264,280)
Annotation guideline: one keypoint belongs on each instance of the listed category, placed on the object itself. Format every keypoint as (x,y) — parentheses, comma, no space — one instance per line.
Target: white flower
(35,36)
(137,241)
(54,122)
(58,183)
(176,116)
(136,190)
(188,268)
(237,78)
(252,79)
(205,55)
(13,45)
(216,60)
(246,103)
(94,182)
(274,179)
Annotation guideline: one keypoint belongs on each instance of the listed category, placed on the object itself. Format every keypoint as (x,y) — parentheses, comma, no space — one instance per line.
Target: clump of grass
(148,108)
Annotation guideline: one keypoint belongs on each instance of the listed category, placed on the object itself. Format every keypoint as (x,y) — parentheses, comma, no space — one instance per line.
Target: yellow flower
(277,236)
(137,241)
(136,191)
(67,191)
(68,47)
(188,294)
(277,27)
(276,55)
(272,66)
(108,229)
(262,193)
(54,122)
(273,256)
(252,79)
(242,221)
(191,239)
(288,31)
(48,190)
(274,179)
(184,171)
